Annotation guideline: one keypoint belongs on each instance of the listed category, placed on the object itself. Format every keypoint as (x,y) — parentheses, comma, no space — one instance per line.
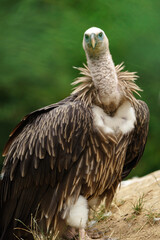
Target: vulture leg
(83,235)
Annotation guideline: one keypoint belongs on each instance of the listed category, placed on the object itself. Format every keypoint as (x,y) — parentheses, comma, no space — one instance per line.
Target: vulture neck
(105,80)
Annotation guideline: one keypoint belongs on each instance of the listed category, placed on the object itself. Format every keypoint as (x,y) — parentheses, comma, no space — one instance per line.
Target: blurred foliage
(40,41)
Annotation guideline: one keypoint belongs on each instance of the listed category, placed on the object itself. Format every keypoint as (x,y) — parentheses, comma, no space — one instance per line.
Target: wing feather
(138,141)
(43,151)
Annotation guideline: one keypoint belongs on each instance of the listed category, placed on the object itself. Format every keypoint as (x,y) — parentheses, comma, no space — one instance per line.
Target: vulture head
(95,41)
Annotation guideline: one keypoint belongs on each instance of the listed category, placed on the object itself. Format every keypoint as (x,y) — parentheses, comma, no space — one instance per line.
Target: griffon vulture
(63,158)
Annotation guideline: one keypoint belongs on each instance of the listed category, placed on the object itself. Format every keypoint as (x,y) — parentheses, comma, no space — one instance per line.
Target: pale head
(95,41)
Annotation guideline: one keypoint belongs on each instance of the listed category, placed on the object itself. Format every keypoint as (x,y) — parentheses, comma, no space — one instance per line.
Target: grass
(138,206)
(100,214)
(35,230)
(152,217)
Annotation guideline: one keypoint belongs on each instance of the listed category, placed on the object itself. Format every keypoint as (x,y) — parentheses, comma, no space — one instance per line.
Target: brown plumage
(76,147)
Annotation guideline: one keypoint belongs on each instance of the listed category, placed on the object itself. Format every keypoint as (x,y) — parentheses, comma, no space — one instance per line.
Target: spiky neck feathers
(86,91)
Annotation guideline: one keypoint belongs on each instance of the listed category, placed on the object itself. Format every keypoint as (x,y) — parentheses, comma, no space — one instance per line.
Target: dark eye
(100,34)
(86,36)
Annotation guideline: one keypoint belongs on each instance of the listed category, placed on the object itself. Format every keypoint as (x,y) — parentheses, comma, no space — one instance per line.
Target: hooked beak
(93,40)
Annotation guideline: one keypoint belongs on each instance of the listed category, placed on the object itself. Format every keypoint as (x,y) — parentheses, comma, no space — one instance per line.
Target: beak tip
(93,44)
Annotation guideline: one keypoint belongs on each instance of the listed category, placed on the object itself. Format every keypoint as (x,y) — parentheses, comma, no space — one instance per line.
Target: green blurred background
(40,41)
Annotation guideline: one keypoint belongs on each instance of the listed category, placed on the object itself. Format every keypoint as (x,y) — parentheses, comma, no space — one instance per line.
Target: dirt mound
(135,211)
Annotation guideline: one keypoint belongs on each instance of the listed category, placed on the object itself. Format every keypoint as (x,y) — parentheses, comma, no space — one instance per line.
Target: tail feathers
(17,212)
(6,221)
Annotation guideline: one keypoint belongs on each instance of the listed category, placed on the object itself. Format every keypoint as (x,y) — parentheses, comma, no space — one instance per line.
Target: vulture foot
(70,234)
(84,236)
